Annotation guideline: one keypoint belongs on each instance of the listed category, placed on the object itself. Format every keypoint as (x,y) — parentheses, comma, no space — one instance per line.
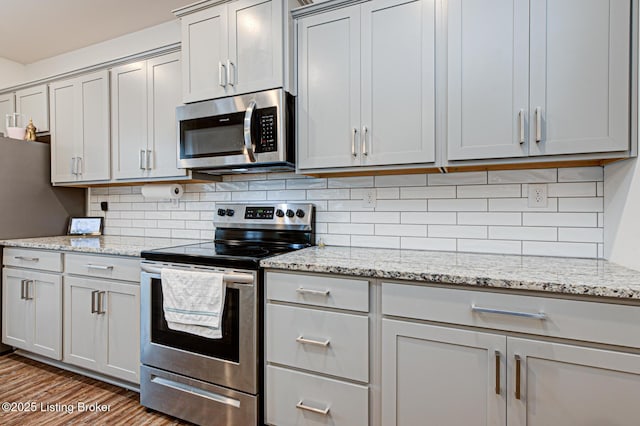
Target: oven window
(212,136)
(227,348)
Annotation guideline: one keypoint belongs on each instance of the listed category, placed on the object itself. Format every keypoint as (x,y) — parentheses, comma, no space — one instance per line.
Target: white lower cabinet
(32,311)
(444,375)
(101,331)
(317,350)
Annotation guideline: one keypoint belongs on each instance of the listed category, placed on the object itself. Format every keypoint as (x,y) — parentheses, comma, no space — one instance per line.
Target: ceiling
(31,30)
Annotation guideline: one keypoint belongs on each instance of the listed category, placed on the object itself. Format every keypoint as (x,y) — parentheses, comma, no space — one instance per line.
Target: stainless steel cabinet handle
(481,310)
(73,165)
(22,285)
(538,114)
(222,75)
(314,292)
(302,340)
(142,158)
(353,143)
(101,267)
(249,147)
(149,160)
(518,362)
(94,293)
(79,167)
(231,71)
(27,259)
(100,298)
(497,353)
(27,285)
(364,141)
(300,405)
(521,126)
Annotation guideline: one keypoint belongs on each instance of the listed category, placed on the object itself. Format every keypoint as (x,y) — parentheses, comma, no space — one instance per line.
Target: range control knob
(290,213)
(300,213)
(279,213)
(222,212)
(230,212)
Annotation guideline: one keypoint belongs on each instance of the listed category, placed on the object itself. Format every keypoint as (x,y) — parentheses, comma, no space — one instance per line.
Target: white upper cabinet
(7,106)
(537,77)
(33,102)
(488,78)
(366,85)
(579,76)
(144,97)
(80,129)
(232,48)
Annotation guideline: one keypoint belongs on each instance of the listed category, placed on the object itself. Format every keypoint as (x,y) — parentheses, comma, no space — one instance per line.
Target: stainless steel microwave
(246,133)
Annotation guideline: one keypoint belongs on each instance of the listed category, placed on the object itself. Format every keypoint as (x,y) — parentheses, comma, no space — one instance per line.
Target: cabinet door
(45,294)
(7,106)
(329,89)
(579,76)
(121,331)
(572,386)
(93,90)
(255,45)
(204,54)
(65,145)
(164,95)
(15,309)
(34,104)
(487,78)
(441,376)
(129,120)
(82,334)
(398,81)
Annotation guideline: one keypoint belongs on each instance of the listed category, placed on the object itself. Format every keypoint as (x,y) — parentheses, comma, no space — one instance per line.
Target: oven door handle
(237,278)
(249,147)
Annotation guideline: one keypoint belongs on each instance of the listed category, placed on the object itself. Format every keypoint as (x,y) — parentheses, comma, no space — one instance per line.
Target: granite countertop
(588,277)
(106,244)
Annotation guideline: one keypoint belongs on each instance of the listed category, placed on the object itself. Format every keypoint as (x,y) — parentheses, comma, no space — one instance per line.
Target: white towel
(193,302)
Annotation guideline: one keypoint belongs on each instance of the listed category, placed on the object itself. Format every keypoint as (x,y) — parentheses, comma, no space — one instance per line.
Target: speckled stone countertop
(106,244)
(588,277)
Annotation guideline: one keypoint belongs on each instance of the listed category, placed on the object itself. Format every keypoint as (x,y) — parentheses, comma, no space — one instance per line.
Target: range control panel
(267,140)
(274,216)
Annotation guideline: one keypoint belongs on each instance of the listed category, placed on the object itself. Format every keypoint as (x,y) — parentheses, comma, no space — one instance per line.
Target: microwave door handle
(249,147)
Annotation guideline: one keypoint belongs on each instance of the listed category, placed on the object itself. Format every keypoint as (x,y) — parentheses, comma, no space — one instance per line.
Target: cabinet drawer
(295,398)
(34,259)
(317,290)
(118,268)
(571,319)
(327,342)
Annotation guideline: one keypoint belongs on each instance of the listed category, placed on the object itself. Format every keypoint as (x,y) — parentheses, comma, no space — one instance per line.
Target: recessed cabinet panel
(94,92)
(64,143)
(488,83)
(398,80)
(329,94)
(7,106)
(123,306)
(579,76)
(15,310)
(34,104)
(47,316)
(205,49)
(81,331)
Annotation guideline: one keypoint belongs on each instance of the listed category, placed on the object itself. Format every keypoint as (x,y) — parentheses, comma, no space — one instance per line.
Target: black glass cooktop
(238,255)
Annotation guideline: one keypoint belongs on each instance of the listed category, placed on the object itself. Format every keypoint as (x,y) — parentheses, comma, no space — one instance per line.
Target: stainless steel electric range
(217,381)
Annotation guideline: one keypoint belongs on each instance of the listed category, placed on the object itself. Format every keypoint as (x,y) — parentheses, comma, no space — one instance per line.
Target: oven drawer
(319,290)
(113,267)
(295,398)
(195,401)
(43,260)
(570,319)
(327,342)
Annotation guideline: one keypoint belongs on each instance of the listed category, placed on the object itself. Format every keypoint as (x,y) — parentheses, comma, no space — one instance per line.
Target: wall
(472,212)
(11,73)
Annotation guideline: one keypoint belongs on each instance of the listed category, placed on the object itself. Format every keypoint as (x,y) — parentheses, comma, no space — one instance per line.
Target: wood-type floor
(55,396)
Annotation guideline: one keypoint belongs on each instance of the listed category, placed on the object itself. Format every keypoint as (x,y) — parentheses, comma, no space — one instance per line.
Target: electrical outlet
(538,195)
(369,198)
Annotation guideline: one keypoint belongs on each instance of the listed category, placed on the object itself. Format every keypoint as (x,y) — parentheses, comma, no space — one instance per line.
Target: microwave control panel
(267,140)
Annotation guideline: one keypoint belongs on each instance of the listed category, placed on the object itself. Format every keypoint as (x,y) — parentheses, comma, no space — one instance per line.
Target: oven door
(235,132)
(230,361)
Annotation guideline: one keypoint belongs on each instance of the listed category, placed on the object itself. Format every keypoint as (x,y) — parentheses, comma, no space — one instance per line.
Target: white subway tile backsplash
(523,176)
(467,178)
(466,218)
(537,248)
(489,191)
(490,246)
(483,212)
